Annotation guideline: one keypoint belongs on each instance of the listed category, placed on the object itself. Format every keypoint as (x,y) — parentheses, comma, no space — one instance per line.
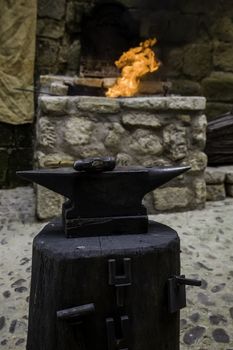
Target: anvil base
(103,293)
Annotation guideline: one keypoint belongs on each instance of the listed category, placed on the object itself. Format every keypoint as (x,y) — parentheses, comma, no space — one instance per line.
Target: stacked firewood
(219,146)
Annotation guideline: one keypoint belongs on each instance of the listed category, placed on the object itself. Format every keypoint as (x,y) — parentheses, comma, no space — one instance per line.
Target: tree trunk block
(67,273)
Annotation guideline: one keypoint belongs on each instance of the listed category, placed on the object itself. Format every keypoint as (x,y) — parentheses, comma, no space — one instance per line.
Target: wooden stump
(71,272)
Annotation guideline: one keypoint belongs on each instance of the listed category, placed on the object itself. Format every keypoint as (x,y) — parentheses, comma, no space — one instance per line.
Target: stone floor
(207,253)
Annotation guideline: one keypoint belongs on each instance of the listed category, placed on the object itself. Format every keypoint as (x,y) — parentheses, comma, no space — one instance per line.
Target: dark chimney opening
(107,32)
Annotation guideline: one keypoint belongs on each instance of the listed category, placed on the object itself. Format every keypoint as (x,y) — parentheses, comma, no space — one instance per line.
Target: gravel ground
(207,254)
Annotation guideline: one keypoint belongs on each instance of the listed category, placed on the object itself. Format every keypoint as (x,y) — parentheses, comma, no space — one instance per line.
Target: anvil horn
(61,183)
(160,176)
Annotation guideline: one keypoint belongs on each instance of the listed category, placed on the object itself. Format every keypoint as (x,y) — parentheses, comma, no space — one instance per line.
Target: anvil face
(103,203)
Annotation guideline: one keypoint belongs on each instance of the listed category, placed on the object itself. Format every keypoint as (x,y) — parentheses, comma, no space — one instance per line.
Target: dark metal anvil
(104,203)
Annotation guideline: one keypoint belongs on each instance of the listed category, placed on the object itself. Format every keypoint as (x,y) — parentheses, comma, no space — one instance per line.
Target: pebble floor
(207,254)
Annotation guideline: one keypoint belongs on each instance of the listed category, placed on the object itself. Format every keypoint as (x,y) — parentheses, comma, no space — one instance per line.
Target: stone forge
(150,131)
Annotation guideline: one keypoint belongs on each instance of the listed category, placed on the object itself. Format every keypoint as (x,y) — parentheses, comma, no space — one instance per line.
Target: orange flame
(134,64)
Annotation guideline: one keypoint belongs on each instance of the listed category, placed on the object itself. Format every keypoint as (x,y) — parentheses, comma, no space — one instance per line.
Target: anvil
(104,203)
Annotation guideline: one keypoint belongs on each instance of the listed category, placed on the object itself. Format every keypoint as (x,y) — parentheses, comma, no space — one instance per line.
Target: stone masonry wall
(195,45)
(195,40)
(148,131)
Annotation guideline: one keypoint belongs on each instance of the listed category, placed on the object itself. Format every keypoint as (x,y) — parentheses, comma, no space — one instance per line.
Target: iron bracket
(120,280)
(115,342)
(76,314)
(177,292)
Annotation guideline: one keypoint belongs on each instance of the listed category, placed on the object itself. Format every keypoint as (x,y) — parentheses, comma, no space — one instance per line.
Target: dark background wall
(16,152)
(195,45)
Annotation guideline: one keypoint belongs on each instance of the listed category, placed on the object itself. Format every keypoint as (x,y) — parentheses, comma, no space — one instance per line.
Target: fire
(134,64)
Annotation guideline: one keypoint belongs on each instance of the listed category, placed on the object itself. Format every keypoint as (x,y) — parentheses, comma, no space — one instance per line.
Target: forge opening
(107,32)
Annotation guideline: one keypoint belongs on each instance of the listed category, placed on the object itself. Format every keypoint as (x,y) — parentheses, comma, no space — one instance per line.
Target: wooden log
(219,145)
(68,273)
(220,126)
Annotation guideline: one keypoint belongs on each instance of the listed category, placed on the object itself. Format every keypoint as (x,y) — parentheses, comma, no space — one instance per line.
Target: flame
(134,64)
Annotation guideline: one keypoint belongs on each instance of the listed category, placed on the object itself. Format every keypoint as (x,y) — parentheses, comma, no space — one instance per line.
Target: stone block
(218,86)
(95,149)
(53,160)
(53,105)
(164,103)
(215,192)
(199,125)
(222,29)
(214,176)
(229,190)
(124,159)
(58,89)
(184,118)
(49,28)
(172,198)
(229,173)
(48,203)
(63,56)
(197,160)
(155,161)
(223,57)
(73,59)
(7,135)
(114,137)
(47,80)
(199,186)
(46,133)
(175,141)
(186,88)
(47,52)
(141,120)
(74,16)
(143,103)
(4,157)
(99,105)
(148,202)
(187,103)
(51,8)
(77,131)
(58,105)
(229,177)
(197,60)
(144,142)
